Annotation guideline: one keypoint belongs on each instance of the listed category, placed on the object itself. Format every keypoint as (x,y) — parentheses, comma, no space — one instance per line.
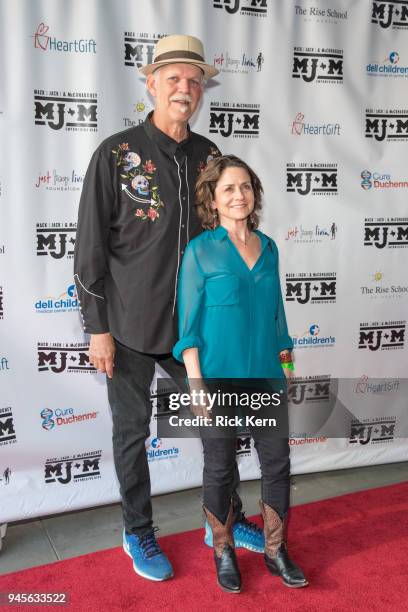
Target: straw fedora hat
(179,49)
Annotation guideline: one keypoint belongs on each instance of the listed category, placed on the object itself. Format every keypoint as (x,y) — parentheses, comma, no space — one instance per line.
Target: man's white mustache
(185,98)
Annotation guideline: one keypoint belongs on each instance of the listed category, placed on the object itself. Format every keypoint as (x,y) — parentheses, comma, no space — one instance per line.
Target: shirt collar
(220,233)
(164,142)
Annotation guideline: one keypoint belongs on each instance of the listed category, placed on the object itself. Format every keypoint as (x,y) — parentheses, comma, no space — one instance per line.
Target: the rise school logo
(390,232)
(386,124)
(378,289)
(314,287)
(45,42)
(60,357)
(67,301)
(385,335)
(318,65)
(7,428)
(76,111)
(252,8)
(138,113)
(312,178)
(56,240)
(387,14)
(312,338)
(313,12)
(73,468)
(239,120)
(139,48)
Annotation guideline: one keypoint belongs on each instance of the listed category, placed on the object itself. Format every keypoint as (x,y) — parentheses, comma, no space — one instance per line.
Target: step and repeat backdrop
(314,95)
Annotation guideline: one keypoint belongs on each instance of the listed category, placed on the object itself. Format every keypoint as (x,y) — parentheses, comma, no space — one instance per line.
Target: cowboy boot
(276,556)
(226,563)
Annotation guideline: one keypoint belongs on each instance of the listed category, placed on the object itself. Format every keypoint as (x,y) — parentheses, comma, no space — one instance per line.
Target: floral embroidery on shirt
(136,182)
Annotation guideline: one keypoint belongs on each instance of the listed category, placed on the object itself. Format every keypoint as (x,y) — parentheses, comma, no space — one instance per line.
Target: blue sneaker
(246,535)
(149,561)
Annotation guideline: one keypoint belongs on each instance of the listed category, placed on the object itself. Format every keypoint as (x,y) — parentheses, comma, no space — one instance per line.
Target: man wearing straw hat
(136,217)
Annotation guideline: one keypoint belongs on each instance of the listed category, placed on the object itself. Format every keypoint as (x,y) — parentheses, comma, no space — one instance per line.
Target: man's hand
(102,352)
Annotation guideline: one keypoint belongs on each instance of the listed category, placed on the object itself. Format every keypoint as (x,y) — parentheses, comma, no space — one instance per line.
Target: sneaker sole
(142,574)
(240,545)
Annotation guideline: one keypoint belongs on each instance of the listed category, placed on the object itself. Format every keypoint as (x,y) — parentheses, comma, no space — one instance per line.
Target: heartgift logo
(40,37)
(47,43)
(301,127)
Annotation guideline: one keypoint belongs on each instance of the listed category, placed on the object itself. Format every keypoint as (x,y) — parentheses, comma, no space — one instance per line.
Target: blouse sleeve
(284,340)
(190,291)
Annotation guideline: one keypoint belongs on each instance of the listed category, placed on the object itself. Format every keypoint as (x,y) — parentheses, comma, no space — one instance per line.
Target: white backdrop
(313,94)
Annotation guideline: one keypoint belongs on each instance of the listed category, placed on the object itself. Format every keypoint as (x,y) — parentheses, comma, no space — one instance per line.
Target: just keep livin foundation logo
(45,42)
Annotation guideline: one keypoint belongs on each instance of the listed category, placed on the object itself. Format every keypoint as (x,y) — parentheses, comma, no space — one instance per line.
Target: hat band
(178,55)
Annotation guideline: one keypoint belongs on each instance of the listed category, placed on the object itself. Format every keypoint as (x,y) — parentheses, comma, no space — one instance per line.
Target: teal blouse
(233,315)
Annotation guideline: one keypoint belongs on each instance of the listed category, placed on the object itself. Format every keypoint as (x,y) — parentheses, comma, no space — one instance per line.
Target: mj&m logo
(313,179)
(56,240)
(254,8)
(389,13)
(76,111)
(390,232)
(385,335)
(316,288)
(237,120)
(139,48)
(320,65)
(59,357)
(76,468)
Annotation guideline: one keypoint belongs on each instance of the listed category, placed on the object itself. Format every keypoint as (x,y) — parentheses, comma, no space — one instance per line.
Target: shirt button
(184,197)
(182,252)
(182,226)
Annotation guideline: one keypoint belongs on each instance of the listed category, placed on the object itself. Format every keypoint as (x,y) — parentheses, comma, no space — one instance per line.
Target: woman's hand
(199,404)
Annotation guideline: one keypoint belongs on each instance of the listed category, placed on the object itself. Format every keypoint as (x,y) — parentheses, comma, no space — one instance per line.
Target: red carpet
(354,550)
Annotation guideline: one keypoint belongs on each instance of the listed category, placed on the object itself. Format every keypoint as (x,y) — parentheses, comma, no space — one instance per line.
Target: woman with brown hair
(232,325)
